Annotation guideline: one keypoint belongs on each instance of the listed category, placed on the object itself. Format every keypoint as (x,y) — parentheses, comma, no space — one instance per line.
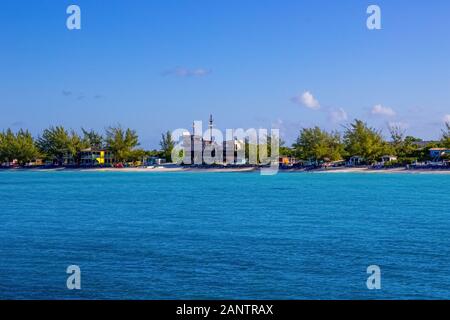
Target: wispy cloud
(380,110)
(187,72)
(288,129)
(446,118)
(80,95)
(18,124)
(307,99)
(337,115)
(398,124)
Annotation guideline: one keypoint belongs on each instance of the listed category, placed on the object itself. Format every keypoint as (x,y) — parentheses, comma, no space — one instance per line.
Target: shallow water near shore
(223,235)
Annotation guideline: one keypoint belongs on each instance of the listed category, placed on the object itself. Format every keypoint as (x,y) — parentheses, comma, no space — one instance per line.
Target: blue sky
(159,65)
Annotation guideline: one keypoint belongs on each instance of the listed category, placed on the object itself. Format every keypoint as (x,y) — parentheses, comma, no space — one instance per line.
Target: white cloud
(288,129)
(278,124)
(446,118)
(186,72)
(337,115)
(307,99)
(379,110)
(398,124)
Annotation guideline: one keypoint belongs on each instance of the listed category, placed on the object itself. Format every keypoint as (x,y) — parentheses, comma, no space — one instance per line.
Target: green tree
(405,148)
(7,142)
(25,147)
(92,139)
(19,146)
(2,147)
(318,145)
(410,150)
(56,143)
(397,137)
(121,142)
(286,151)
(445,141)
(167,144)
(155,153)
(361,140)
(138,155)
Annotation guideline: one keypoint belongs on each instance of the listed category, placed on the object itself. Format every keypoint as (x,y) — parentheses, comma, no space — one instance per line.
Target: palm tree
(56,143)
(121,142)
(92,139)
(167,145)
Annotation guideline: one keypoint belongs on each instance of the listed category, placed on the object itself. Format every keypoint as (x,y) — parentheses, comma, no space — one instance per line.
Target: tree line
(56,144)
(313,144)
(359,139)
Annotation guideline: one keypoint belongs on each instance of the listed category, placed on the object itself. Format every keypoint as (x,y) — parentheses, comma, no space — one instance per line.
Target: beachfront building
(194,146)
(35,163)
(154,161)
(234,152)
(438,153)
(197,148)
(67,160)
(355,161)
(13,163)
(95,157)
(388,158)
(287,161)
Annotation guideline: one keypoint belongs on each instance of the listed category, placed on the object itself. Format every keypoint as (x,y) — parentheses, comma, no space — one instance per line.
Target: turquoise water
(224,235)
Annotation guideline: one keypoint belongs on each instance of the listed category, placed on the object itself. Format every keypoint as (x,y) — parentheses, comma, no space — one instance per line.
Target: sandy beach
(366,170)
(137,169)
(172,169)
(384,171)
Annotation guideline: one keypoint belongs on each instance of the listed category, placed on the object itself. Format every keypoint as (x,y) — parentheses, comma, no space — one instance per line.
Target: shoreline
(365,170)
(383,170)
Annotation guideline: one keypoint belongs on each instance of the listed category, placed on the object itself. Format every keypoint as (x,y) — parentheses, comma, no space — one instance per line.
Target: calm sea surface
(224,235)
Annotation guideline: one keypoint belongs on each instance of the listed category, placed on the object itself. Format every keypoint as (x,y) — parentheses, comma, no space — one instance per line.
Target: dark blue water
(224,235)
